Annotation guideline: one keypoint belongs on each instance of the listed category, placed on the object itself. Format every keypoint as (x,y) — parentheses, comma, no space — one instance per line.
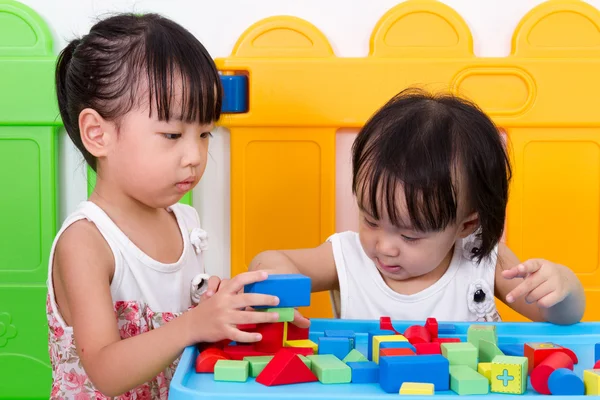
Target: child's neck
(417,284)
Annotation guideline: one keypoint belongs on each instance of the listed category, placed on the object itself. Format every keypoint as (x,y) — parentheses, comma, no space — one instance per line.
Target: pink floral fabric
(69,380)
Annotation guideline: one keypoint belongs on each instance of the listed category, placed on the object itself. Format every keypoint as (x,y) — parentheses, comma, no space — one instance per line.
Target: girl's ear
(96,133)
(468,225)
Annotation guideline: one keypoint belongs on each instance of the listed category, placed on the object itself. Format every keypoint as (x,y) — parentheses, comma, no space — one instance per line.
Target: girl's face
(402,253)
(157,162)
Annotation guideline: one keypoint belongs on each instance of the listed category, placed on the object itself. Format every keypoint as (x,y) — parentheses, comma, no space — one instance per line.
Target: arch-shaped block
(22,31)
(421,28)
(282,36)
(562,28)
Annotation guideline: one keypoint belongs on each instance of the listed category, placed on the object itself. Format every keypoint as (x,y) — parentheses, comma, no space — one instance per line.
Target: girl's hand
(212,288)
(545,282)
(216,318)
(300,321)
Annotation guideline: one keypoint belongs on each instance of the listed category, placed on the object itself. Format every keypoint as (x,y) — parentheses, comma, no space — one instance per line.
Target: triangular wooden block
(285,368)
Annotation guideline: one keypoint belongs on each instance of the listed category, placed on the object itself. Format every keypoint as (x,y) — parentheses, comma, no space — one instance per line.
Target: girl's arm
(84,265)
(538,289)
(316,263)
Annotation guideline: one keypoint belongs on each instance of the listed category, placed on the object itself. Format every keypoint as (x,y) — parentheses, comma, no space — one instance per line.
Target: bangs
(177,64)
(420,166)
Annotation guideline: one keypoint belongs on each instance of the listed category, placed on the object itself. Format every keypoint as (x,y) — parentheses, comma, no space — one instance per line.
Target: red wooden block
(385,323)
(205,362)
(417,334)
(295,333)
(304,351)
(247,327)
(272,337)
(447,340)
(396,352)
(285,368)
(242,350)
(540,374)
(538,352)
(597,365)
(216,345)
(432,327)
(428,348)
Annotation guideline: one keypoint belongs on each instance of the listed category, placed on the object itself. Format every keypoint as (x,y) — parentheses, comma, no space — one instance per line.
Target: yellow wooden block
(285,331)
(485,369)
(377,340)
(591,380)
(417,388)
(301,343)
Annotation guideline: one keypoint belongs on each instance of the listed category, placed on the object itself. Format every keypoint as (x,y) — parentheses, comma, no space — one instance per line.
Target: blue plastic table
(187,384)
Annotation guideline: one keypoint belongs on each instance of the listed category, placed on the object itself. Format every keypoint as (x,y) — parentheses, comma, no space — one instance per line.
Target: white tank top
(363,293)
(138,277)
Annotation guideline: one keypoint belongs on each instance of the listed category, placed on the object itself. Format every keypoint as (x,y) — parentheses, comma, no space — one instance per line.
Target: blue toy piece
(397,345)
(446,329)
(564,382)
(516,350)
(293,290)
(235,93)
(370,334)
(364,372)
(597,352)
(429,368)
(342,334)
(338,346)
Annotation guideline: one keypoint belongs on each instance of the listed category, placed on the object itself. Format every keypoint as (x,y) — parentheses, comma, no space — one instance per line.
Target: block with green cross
(509,374)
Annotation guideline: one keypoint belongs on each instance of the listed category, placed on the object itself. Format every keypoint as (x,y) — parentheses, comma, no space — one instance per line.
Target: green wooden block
(465,381)
(462,353)
(330,369)
(509,374)
(231,370)
(482,332)
(285,314)
(488,350)
(354,356)
(305,360)
(257,364)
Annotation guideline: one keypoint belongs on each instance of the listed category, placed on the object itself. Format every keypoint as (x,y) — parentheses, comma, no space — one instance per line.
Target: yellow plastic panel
(283,189)
(543,95)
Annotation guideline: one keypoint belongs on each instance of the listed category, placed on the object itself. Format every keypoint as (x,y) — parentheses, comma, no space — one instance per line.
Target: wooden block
(475,333)
(466,381)
(564,382)
(460,354)
(205,362)
(591,380)
(485,369)
(417,334)
(285,368)
(428,348)
(539,351)
(377,340)
(364,372)
(396,352)
(342,334)
(231,370)
(272,337)
(355,356)
(257,364)
(240,351)
(509,374)
(330,369)
(302,343)
(286,314)
(338,346)
(295,333)
(425,389)
(488,350)
(541,373)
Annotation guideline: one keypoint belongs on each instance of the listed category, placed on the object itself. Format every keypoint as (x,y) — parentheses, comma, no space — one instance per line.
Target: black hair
(423,142)
(128,59)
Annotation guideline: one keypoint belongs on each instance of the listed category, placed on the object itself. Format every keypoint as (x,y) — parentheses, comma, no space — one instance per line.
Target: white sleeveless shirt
(363,293)
(146,294)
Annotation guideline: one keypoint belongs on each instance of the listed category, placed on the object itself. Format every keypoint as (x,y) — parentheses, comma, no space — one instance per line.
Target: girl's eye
(409,239)
(205,135)
(172,136)
(370,223)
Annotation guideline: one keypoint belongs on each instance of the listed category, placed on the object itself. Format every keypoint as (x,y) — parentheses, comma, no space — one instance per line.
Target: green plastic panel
(29,121)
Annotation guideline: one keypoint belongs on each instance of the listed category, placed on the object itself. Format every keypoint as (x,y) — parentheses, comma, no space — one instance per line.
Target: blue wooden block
(364,372)
(597,352)
(516,350)
(342,334)
(338,346)
(376,332)
(564,382)
(397,345)
(293,290)
(427,368)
